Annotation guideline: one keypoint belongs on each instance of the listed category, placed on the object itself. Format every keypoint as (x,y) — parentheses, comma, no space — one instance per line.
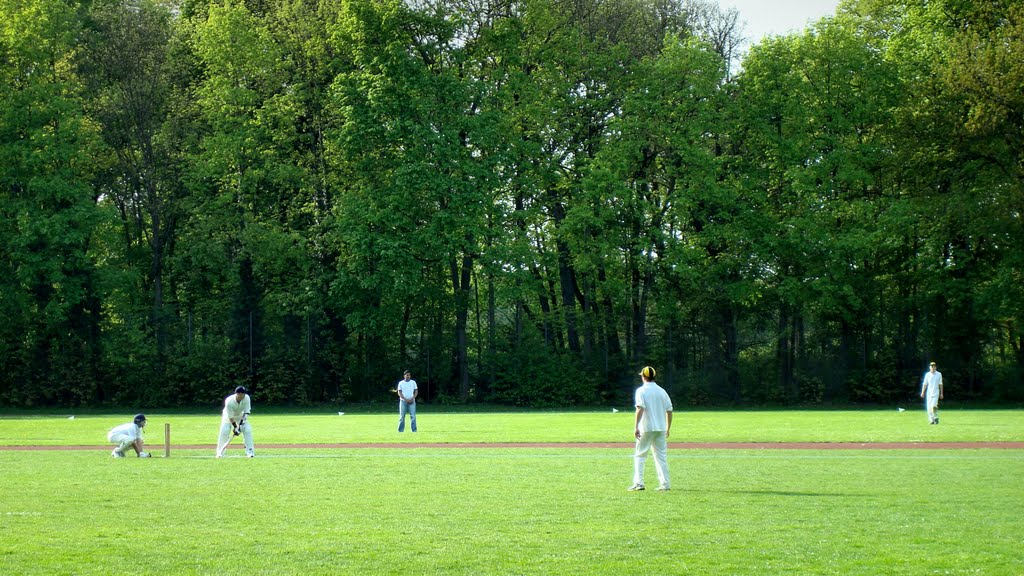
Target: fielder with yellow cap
(653,423)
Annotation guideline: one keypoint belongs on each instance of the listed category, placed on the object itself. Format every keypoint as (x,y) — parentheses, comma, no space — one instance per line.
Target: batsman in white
(126,435)
(652,426)
(235,420)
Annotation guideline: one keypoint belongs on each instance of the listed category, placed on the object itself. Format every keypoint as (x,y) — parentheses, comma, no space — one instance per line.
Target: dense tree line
(522,201)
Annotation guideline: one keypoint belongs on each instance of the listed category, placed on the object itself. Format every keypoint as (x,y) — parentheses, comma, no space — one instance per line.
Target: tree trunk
(567,279)
(492,329)
(461,286)
(731,356)
(783,352)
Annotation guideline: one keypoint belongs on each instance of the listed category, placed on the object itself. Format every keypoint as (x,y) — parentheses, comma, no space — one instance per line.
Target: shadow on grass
(782,493)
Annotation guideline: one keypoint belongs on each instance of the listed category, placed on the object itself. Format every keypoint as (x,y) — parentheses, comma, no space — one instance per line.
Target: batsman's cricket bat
(220,451)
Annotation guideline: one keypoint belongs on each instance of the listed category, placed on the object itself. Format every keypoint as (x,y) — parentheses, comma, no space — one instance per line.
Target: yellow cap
(648,372)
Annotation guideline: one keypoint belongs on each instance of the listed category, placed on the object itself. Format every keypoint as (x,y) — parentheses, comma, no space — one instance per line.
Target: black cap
(241,390)
(139,418)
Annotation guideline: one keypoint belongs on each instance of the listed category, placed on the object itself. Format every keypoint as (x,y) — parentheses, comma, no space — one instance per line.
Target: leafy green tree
(820,104)
(985,73)
(416,144)
(128,65)
(956,179)
(303,28)
(49,152)
(237,242)
(519,200)
(656,189)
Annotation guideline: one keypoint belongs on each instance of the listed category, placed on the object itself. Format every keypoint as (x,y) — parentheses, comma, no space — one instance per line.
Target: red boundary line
(623,445)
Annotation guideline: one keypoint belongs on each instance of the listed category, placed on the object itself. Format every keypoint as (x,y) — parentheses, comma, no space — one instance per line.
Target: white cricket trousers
(225,437)
(931,404)
(123,441)
(651,441)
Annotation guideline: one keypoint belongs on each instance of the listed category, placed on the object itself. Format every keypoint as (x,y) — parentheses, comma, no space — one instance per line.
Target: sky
(778,17)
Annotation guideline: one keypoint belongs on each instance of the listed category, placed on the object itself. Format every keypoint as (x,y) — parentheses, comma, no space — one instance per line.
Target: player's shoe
(663,488)
(250,454)
(636,488)
(117,454)
(145,455)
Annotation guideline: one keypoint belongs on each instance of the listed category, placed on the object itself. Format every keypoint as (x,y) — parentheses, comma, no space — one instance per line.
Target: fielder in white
(931,391)
(653,423)
(126,435)
(235,420)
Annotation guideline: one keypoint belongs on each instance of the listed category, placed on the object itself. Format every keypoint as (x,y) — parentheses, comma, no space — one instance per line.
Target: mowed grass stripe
(586,446)
(849,426)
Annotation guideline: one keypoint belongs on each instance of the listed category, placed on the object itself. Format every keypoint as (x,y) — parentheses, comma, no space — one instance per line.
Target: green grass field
(408,510)
(604,426)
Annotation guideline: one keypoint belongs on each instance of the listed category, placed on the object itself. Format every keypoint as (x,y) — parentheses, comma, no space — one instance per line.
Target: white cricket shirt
(130,431)
(234,410)
(932,381)
(655,402)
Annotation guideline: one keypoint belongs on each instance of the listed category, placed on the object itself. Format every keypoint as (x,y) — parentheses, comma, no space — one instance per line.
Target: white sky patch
(778,17)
